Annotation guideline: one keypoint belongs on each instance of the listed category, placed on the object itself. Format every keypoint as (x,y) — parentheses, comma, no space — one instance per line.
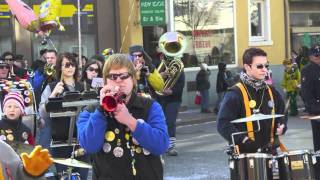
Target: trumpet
(49,70)
(109,103)
(172,45)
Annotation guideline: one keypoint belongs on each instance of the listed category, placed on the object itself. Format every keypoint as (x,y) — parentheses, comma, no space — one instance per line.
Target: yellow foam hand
(37,162)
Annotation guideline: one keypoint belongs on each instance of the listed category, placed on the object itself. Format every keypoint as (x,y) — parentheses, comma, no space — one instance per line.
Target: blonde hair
(118,61)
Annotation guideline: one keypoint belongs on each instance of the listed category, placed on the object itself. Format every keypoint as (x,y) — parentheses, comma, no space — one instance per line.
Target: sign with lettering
(152,12)
(4,11)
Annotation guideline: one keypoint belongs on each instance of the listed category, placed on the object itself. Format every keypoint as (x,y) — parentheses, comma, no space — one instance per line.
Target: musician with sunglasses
(125,143)
(57,129)
(250,96)
(92,69)
(149,79)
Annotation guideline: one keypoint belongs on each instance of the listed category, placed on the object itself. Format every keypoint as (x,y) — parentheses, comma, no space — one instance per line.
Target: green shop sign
(152,12)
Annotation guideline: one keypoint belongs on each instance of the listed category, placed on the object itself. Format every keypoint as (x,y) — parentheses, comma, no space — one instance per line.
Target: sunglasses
(93,69)
(261,66)
(122,76)
(68,65)
(8,59)
(4,67)
(137,55)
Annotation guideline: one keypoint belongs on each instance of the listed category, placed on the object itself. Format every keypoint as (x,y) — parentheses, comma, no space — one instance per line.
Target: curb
(182,121)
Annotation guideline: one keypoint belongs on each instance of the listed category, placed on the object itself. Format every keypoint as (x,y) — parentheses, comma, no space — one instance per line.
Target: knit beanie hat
(17,98)
(135,48)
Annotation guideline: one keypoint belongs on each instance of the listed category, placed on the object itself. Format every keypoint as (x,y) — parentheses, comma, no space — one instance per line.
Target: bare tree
(198,14)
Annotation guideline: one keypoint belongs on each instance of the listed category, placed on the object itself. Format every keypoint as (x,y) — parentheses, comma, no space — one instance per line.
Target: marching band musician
(57,128)
(252,95)
(149,78)
(126,143)
(310,92)
(92,69)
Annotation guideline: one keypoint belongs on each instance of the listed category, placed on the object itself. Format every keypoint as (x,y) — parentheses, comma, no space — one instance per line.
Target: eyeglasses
(122,76)
(93,69)
(8,59)
(68,65)
(137,55)
(4,67)
(261,66)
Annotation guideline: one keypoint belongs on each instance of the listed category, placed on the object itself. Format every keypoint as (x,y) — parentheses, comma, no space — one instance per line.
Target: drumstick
(310,117)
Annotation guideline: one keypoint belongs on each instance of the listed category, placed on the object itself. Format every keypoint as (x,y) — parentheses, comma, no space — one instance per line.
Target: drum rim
(252,155)
(295,152)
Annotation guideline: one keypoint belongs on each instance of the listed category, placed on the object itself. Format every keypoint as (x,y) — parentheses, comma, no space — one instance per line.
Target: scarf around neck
(256,84)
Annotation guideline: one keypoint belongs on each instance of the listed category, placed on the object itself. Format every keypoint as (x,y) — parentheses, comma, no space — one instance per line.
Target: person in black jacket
(57,128)
(252,95)
(170,103)
(203,86)
(310,92)
(224,80)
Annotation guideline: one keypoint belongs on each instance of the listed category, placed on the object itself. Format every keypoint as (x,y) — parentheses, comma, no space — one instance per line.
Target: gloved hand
(148,61)
(37,162)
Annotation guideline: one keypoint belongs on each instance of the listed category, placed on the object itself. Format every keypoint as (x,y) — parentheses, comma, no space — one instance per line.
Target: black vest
(108,167)
(14,130)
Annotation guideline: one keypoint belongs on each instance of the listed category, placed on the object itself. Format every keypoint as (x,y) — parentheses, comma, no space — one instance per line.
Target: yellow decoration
(37,162)
(50,11)
(10,137)
(138,150)
(156,81)
(109,136)
(252,104)
(127,136)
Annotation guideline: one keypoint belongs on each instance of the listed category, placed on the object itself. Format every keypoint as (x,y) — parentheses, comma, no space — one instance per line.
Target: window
(259,22)
(6,28)
(209,28)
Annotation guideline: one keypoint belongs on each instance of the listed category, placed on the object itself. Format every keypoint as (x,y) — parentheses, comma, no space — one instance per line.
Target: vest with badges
(14,131)
(121,158)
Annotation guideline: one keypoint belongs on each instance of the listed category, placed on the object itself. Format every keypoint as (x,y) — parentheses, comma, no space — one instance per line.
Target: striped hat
(17,97)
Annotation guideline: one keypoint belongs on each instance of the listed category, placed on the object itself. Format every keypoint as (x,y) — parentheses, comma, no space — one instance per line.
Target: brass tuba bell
(172,45)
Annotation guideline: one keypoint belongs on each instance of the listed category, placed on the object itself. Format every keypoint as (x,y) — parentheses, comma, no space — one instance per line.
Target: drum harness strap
(248,113)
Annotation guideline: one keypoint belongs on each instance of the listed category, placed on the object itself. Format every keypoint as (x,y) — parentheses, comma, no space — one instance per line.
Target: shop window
(68,40)
(259,22)
(6,28)
(209,28)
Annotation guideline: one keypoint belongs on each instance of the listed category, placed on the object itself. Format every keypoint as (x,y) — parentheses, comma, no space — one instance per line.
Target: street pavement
(202,150)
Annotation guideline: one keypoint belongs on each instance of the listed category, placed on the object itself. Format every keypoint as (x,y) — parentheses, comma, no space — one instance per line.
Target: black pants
(316,145)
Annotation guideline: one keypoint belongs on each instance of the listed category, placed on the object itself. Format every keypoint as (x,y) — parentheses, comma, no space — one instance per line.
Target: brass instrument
(172,45)
(49,70)
(110,103)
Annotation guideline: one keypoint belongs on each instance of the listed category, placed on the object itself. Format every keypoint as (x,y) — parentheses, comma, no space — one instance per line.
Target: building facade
(216,31)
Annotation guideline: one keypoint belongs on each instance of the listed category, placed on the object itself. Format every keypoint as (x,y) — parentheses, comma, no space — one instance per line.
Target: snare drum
(252,166)
(296,165)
